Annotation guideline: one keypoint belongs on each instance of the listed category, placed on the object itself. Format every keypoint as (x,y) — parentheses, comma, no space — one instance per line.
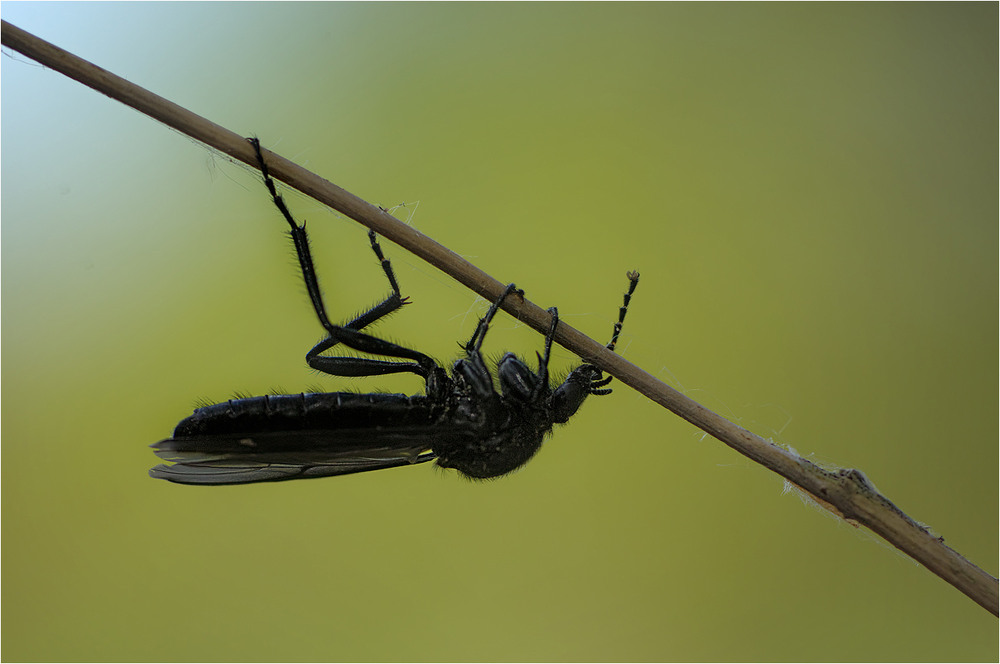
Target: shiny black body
(461,421)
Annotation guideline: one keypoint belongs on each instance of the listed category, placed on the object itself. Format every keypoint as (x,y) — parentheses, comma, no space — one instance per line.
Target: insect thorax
(506,438)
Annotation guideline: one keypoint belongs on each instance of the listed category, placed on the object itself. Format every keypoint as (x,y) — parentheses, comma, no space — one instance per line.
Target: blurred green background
(809,191)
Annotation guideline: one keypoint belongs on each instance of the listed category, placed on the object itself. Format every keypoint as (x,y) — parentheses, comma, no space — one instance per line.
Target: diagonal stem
(845,492)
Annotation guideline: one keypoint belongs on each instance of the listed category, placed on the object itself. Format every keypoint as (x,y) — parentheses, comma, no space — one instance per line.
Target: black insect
(460,420)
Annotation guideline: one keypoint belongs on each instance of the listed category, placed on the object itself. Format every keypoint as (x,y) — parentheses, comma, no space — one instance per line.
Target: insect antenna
(599,385)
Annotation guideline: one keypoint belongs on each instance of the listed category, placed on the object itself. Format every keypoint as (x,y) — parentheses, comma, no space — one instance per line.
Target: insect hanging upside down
(461,421)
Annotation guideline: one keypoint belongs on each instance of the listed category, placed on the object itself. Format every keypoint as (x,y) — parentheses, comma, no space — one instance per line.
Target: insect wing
(276,456)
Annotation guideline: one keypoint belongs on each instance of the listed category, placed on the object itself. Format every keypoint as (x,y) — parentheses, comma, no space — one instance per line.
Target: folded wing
(275,456)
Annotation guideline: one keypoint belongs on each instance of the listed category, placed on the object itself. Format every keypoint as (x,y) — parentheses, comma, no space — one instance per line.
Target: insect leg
(392,302)
(484,323)
(347,334)
(471,369)
(360,366)
(299,239)
(543,360)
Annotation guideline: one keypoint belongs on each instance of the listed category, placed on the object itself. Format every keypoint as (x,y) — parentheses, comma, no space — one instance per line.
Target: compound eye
(517,381)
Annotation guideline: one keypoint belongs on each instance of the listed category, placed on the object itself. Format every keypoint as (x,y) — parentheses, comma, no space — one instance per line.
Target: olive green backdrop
(808,190)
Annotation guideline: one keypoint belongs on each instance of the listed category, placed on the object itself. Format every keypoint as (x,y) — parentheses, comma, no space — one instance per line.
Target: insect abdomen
(297,412)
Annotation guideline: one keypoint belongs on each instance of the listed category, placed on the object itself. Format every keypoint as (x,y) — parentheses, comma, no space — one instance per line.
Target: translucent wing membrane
(195,462)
